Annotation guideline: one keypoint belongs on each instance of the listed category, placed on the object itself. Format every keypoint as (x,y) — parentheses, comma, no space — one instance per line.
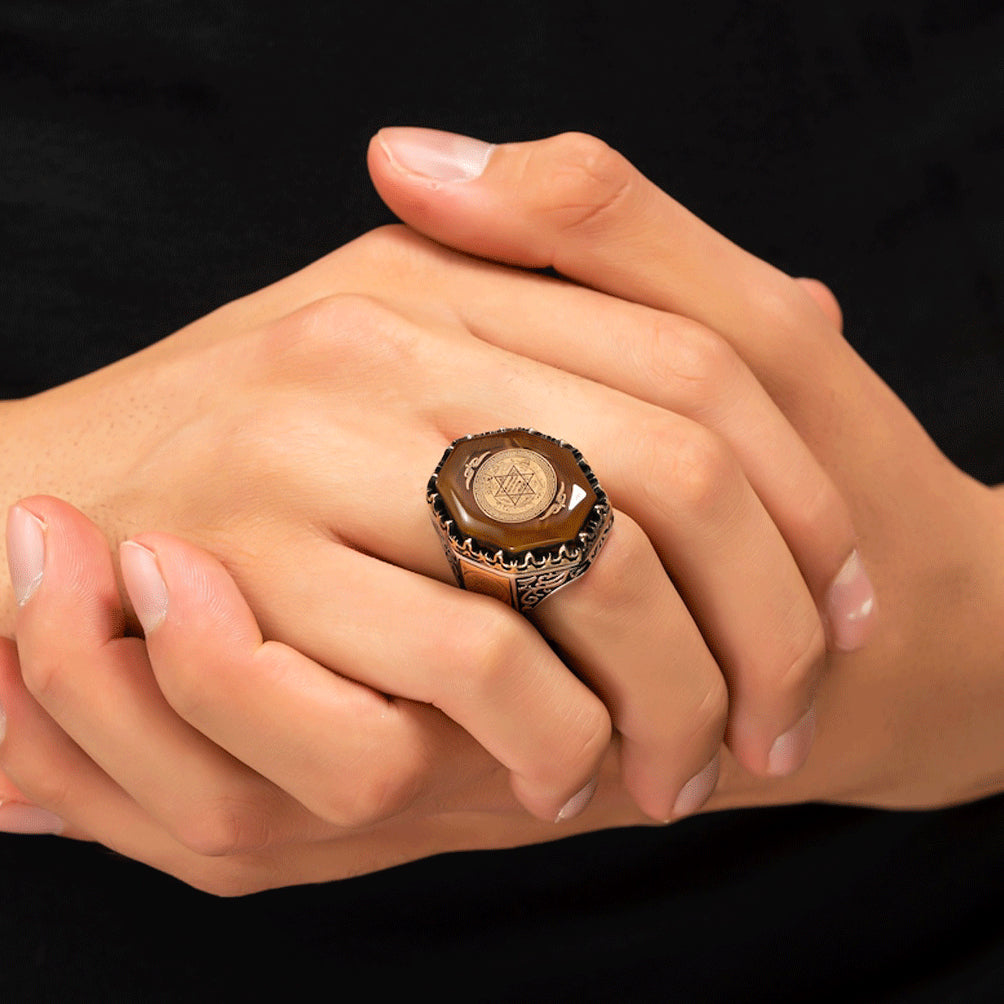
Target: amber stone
(516,490)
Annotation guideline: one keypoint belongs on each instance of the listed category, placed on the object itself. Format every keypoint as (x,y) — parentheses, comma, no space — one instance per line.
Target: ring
(520,514)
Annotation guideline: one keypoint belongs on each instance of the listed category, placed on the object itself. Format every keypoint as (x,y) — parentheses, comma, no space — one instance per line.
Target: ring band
(520,514)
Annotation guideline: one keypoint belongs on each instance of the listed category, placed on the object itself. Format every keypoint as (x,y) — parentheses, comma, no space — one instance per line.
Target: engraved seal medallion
(520,514)
(513,486)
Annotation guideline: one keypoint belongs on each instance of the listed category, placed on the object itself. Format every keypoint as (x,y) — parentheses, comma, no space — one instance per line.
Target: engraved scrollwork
(472,465)
(559,502)
(531,589)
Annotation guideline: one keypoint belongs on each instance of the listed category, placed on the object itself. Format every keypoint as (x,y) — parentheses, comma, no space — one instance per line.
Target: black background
(161,158)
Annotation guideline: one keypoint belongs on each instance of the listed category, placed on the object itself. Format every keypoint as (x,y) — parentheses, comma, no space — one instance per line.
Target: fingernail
(697,790)
(790,750)
(16,817)
(850,605)
(577,802)
(144,584)
(25,552)
(433,154)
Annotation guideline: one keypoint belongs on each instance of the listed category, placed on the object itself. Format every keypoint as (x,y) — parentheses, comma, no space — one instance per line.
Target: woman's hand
(912,720)
(291,434)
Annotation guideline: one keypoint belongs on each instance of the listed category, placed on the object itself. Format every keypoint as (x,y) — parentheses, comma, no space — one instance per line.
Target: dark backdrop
(159,158)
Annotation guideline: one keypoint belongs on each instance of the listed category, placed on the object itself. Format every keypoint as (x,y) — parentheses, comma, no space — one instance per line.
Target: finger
(64,791)
(624,629)
(663,358)
(59,788)
(80,801)
(683,367)
(825,300)
(98,686)
(18,813)
(723,552)
(74,796)
(674,477)
(482,664)
(573,203)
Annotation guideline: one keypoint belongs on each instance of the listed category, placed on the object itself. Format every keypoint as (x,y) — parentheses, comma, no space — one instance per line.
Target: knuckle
(42,782)
(695,365)
(223,827)
(487,647)
(826,300)
(575,748)
(43,676)
(790,317)
(576,179)
(780,307)
(335,329)
(695,470)
(383,792)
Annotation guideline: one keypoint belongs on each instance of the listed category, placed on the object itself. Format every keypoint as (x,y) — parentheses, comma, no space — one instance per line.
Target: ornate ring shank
(520,514)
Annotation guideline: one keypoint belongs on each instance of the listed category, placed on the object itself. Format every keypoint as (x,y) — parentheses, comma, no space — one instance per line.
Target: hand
(913,720)
(328,409)
(287,766)
(880,707)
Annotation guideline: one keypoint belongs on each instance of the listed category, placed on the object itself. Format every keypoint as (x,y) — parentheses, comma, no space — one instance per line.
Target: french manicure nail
(851,605)
(697,790)
(25,552)
(790,750)
(433,154)
(16,817)
(144,584)
(577,802)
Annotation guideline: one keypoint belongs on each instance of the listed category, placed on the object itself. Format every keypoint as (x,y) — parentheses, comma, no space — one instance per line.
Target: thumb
(573,203)
(512,202)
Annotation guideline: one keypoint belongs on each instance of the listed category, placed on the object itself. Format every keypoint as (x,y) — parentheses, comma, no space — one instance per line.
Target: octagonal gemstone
(516,490)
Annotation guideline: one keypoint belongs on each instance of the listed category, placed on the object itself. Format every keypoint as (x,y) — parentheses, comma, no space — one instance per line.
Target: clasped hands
(280,446)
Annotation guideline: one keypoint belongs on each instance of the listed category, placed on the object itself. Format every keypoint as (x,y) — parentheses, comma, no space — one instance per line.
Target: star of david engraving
(515,487)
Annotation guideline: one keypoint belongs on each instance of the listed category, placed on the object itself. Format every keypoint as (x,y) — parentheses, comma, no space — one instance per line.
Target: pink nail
(577,802)
(25,552)
(144,584)
(791,750)
(433,154)
(697,790)
(850,605)
(17,817)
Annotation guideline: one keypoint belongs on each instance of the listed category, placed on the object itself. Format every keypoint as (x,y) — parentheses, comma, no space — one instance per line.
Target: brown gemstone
(516,490)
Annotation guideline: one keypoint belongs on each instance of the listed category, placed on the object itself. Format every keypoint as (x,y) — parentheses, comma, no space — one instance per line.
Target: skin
(913,719)
(891,715)
(324,398)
